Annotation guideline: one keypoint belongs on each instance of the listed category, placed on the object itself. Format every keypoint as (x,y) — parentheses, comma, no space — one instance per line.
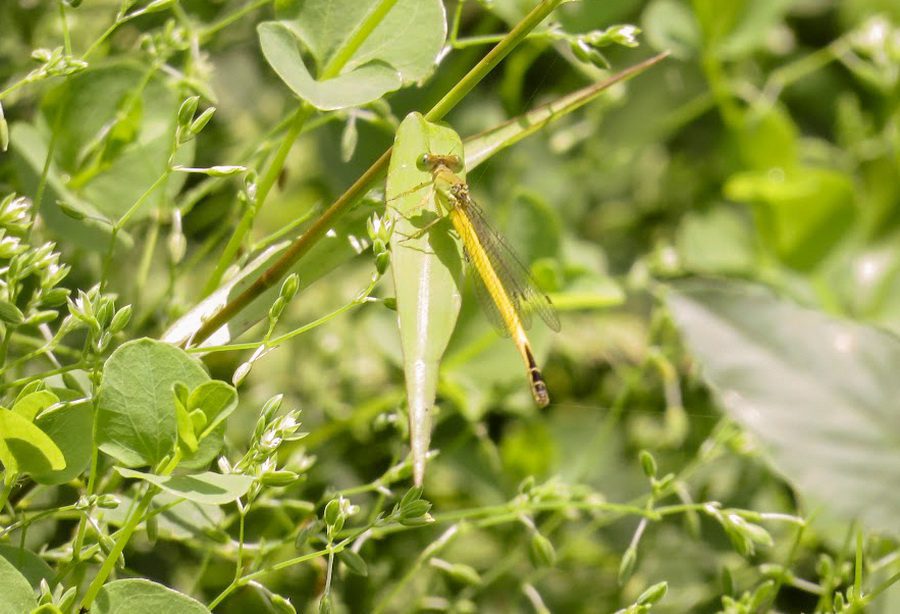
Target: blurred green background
(766,148)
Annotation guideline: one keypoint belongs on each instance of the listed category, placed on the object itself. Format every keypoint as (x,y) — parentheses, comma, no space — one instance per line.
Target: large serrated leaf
(819,393)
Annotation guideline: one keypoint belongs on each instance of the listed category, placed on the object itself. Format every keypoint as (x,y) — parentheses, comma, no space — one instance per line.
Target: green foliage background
(766,149)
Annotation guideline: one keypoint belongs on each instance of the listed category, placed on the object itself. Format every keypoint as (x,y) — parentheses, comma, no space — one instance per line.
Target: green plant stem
(6,487)
(305,242)
(357,38)
(858,567)
(226,21)
(275,342)
(122,540)
(24,380)
(124,535)
(332,69)
(262,191)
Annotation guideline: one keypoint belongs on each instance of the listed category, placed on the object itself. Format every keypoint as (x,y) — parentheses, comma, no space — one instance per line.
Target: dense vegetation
(206,400)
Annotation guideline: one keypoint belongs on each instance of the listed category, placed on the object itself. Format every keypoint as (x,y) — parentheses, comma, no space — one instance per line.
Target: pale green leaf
(138,595)
(819,393)
(359,54)
(18,596)
(34,403)
(350,89)
(427,271)
(29,564)
(207,488)
(216,399)
(25,448)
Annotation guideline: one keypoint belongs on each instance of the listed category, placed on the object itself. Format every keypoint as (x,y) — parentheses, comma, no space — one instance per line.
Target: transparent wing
(488,306)
(516,279)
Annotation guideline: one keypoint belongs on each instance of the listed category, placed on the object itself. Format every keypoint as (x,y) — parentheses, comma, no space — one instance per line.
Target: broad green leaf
(71,428)
(32,404)
(426,267)
(30,565)
(138,595)
(25,448)
(207,488)
(359,52)
(801,213)
(819,393)
(363,85)
(18,596)
(186,436)
(136,421)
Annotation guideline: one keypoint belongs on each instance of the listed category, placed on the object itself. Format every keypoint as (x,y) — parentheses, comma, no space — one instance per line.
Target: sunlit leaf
(819,393)
(138,595)
(25,448)
(18,596)
(136,422)
(426,267)
(207,488)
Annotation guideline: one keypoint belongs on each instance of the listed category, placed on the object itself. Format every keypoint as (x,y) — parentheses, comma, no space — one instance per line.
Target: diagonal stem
(305,242)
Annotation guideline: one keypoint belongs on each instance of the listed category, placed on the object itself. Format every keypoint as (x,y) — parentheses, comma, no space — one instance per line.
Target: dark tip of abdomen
(538,387)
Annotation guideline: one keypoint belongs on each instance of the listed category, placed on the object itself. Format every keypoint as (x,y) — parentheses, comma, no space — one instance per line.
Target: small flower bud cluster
(261,460)
(380,231)
(98,313)
(54,63)
(29,274)
(586,47)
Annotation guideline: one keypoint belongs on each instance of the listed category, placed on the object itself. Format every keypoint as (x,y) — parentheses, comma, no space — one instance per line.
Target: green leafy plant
(237,374)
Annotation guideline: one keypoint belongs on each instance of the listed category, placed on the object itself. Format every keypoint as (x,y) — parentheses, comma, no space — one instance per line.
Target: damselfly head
(429,162)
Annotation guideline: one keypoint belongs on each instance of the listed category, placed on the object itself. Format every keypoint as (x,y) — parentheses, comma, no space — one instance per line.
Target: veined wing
(517,281)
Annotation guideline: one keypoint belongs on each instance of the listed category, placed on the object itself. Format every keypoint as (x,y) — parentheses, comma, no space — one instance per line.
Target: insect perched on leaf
(504,286)
(426,186)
